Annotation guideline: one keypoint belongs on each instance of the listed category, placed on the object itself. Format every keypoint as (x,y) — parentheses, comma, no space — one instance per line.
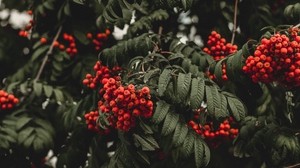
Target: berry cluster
(69,45)
(219,49)
(91,121)
(124,103)
(26,31)
(213,135)
(98,39)
(217,46)
(101,72)
(208,132)
(7,101)
(276,59)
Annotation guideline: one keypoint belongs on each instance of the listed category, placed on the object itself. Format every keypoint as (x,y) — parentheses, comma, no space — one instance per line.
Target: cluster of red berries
(98,39)
(219,49)
(101,72)
(69,46)
(213,135)
(91,121)
(124,103)
(208,132)
(276,59)
(26,31)
(7,101)
(217,46)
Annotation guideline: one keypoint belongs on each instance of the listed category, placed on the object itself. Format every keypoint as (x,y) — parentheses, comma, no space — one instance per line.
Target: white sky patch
(19,20)
(119,33)
(4,14)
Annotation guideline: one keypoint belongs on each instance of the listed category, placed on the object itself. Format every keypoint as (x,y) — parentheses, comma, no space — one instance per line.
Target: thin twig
(160,29)
(298,25)
(49,52)
(234,21)
(293,166)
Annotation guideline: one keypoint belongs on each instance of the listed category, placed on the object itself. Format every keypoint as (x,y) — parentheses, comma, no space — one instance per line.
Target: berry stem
(234,21)
(49,52)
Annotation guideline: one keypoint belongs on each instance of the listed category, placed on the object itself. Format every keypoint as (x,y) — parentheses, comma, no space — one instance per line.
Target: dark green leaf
(197,92)
(183,86)
(179,135)
(162,109)
(170,123)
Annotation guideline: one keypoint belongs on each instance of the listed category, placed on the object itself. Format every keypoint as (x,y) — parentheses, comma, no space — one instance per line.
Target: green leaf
(48,90)
(218,114)
(206,155)
(197,92)
(163,81)
(59,95)
(237,108)
(223,111)
(81,36)
(183,85)
(24,134)
(199,152)
(29,141)
(21,122)
(170,123)
(209,101)
(179,135)
(81,2)
(39,52)
(150,74)
(146,146)
(38,88)
(188,145)
(146,128)
(162,109)
(67,10)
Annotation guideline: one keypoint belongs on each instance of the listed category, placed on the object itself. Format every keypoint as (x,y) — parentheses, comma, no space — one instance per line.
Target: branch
(298,25)
(234,21)
(293,166)
(49,52)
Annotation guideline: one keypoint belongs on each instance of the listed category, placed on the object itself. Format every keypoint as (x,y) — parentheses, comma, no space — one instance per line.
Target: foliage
(60,101)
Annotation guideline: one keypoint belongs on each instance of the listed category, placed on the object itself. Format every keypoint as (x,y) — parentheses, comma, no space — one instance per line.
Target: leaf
(209,101)
(67,10)
(146,128)
(236,107)
(197,92)
(179,135)
(59,95)
(163,81)
(28,142)
(188,145)
(183,85)
(21,122)
(81,36)
(144,157)
(223,111)
(162,109)
(80,2)
(39,52)
(170,123)
(38,88)
(199,152)
(218,114)
(150,74)
(48,90)
(24,134)
(206,155)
